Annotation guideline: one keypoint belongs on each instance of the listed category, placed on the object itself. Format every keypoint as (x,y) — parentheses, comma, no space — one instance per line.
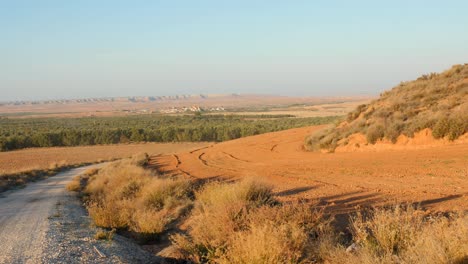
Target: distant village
(176,110)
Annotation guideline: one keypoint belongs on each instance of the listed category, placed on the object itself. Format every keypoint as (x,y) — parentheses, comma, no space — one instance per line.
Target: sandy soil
(43,158)
(436,178)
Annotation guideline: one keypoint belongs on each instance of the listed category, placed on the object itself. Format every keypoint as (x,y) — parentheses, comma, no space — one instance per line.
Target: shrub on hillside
(393,131)
(374,133)
(355,114)
(450,127)
(407,109)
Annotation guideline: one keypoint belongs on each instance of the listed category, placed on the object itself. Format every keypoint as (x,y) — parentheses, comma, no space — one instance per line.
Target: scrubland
(244,222)
(436,101)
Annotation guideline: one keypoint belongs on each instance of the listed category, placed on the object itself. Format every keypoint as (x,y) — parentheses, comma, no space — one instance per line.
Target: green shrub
(453,128)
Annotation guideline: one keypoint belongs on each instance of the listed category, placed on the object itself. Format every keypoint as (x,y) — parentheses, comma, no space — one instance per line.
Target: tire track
(178,162)
(234,157)
(205,162)
(198,149)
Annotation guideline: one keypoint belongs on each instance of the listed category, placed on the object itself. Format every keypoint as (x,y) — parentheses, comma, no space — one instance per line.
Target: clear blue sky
(96,48)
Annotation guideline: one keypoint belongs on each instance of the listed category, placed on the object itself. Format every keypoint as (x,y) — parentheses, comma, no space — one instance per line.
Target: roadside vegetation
(22,166)
(53,132)
(244,222)
(125,196)
(19,179)
(435,101)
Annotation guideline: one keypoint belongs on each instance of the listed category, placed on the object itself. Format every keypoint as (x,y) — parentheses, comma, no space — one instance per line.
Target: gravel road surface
(43,223)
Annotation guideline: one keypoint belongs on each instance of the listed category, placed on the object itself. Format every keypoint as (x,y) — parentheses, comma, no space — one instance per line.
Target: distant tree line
(52,132)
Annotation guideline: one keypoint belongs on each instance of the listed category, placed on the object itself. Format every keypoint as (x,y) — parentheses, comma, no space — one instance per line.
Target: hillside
(434,103)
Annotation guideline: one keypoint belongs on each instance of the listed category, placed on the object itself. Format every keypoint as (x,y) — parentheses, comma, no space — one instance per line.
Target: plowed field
(435,177)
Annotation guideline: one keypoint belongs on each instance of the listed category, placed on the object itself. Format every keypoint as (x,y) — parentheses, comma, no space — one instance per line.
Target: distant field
(44,158)
(305,110)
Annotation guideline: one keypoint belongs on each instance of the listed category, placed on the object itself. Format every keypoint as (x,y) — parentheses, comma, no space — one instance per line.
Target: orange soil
(437,177)
(421,140)
(43,158)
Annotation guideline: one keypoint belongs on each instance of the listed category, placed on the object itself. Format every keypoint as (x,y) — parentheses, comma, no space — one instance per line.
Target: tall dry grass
(124,195)
(242,223)
(403,234)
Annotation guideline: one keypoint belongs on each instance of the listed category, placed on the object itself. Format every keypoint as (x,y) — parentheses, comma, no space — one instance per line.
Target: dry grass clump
(405,235)
(104,235)
(75,184)
(124,195)
(278,234)
(435,101)
(242,223)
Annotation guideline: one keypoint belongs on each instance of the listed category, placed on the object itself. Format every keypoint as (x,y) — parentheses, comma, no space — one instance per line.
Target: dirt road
(436,177)
(24,218)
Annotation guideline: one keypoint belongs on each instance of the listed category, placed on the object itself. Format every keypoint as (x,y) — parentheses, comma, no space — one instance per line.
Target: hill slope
(438,102)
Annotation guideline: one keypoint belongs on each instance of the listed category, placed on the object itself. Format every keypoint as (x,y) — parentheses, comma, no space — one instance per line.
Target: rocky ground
(44,223)
(70,239)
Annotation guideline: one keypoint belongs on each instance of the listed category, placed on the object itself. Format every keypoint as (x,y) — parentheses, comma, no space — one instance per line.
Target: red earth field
(434,177)
(43,158)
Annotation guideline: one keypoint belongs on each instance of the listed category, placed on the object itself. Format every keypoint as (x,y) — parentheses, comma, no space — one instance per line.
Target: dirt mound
(434,177)
(438,102)
(420,140)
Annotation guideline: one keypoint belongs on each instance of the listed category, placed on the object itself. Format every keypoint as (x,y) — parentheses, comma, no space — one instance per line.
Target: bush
(453,128)
(278,234)
(393,131)
(374,133)
(221,210)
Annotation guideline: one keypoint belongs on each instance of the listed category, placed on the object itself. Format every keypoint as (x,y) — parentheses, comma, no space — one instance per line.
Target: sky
(88,48)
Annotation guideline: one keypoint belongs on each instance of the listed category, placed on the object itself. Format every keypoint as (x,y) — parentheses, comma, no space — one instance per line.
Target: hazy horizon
(85,49)
(205,94)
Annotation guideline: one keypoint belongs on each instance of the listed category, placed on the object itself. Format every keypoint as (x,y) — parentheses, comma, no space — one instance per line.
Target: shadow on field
(439,200)
(296,190)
